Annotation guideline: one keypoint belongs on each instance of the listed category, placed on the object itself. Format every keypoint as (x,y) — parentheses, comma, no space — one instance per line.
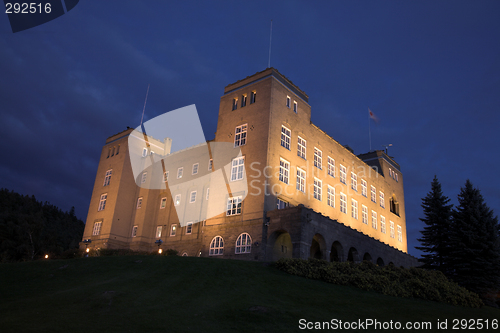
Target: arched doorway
(353,255)
(280,243)
(337,252)
(380,262)
(318,247)
(367,257)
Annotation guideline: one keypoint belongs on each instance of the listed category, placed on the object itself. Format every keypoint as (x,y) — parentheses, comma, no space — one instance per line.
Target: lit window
(301,180)
(163,202)
(343,203)
(173,230)
(354,209)
(288,101)
(284,171)
(243,243)
(144,152)
(144,177)
(342,171)
(180,171)
(281,204)
(391,226)
(364,214)
(210,164)
(134,231)
(382,224)
(382,200)
(397,178)
(235,103)
(354,181)
(301,148)
(216,246)
(285,137)
(295,107)
(102,202)
(192,197)
(158,231)
(97,228)
(165,176)
(330,198)
(240,135)
(189,228)
(107,177)
(237,168)
(318,158)
(177,200)
(400,234)
(139,202)
(208,192)
(363,187)
(253,97)
(243,100)
(374,219)
(373,193)
(331,167)
(318,184)
(233,206)
(195,168)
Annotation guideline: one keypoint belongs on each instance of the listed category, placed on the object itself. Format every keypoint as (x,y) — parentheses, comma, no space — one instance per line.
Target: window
(216,246)
(281,204)
(144,152)
(139,202)
(342,174)
(195,168)
(235,103)
(382,200)
(179,172)
(284,171)
(107,178)
(237,168)
(192,197)
(163,202)
(330,196)
(382,224)
(109,153)
(288,100)
(165,176)
(374,219)
(173,230)
(363,187)
(343,203)
(301,148)
(233,206)
(208,192)
(285,137)
(397,178)
(134,231)
(102,202)
(400,234)
(243,100)
(243,243)
(391,226)
(177,200)
(354,209)
(394,206)
(240,136)
(253,97)
(331,167)
(97,228)
(364,214)
(118,150)
(354,181)
(301,180)
(189,228)
(295,107)
(113,151)
(372,192)
(318,159)
(318,184)
(210,164)
(158,231)
(144,177)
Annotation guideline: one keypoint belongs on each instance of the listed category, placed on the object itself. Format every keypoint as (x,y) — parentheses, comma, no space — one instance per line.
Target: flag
(373,116)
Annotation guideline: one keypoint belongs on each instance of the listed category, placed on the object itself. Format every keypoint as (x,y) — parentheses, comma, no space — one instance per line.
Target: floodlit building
(306,195)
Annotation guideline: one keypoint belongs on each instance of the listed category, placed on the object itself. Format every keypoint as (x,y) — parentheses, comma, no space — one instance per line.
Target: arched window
(217,246)
(243,243)
(184,254)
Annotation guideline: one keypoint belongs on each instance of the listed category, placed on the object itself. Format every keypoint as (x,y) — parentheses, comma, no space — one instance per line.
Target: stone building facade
(305,194)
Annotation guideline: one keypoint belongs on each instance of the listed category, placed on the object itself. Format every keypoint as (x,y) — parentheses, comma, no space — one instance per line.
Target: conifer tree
(435,236)
(475,242)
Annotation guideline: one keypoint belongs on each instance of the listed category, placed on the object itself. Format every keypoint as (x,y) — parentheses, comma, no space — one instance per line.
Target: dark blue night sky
(429,70)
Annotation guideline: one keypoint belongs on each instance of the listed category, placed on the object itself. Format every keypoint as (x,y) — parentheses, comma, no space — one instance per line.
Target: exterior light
(160,251)
(87,250)
(46,256)
(159,242)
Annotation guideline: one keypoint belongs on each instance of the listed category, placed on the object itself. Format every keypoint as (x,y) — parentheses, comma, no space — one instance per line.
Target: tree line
(30,229)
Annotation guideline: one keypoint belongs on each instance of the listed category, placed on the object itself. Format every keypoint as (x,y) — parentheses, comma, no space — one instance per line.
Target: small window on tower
(253,97)
(295,107)
(243,100)
(288,101)
(235,103)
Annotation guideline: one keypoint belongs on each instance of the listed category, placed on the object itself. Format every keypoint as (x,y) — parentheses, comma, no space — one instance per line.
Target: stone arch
(280,245)
(367,257)
(380,262)
(337,252)
(353,255)
(318,247)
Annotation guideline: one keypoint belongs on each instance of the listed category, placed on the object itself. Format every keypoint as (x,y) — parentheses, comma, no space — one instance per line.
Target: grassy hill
(185,294)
